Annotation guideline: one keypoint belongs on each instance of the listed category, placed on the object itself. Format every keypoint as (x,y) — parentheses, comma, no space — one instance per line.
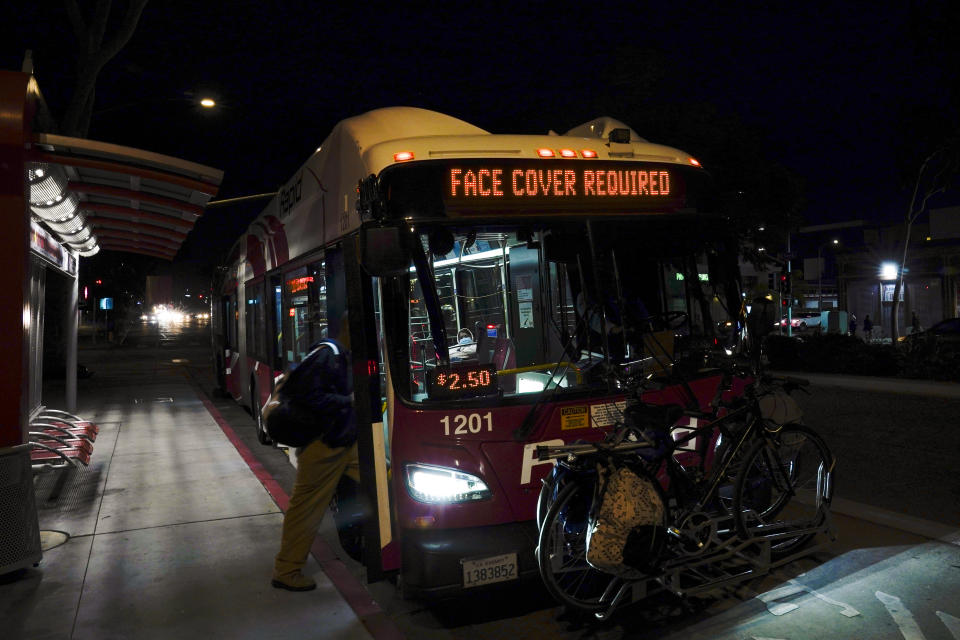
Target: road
(896,466)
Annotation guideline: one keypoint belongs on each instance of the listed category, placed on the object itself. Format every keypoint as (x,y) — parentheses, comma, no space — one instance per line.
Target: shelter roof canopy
(157,197)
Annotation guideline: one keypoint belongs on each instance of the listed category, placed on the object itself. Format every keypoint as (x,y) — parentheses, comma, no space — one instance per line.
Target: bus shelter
(62,199)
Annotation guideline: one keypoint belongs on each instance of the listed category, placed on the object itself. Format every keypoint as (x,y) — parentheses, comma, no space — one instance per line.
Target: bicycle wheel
(545,499)
(551,485)
(562,550)
(784,484)
(725,456)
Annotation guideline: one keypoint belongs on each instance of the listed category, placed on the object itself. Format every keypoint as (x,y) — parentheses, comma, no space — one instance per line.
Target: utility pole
(790,280)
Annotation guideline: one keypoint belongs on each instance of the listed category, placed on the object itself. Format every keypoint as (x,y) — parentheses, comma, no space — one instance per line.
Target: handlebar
(548,453)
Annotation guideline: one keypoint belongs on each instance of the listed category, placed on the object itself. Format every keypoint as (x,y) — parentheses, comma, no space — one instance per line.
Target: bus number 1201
(464,424)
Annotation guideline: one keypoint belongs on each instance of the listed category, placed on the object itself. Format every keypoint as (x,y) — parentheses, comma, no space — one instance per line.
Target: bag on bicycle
(627,501)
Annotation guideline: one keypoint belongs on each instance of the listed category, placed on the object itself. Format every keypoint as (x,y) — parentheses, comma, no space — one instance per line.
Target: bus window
(226,323)
(256,321)
(275,301)
(540,312)
(378,321)
(233,321)
(305,304)
(488,321)
(563,313)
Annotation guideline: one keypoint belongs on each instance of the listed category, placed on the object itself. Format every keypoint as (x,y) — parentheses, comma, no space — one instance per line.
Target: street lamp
(206,102)
(820,273)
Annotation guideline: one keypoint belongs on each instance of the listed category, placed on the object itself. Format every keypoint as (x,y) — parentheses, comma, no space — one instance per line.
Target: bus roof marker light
(568,153)
(546,153)
(619,136)
(588,153)
(694,162)
(403,156)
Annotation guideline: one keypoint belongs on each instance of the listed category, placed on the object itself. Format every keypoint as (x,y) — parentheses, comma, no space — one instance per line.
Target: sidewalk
(933,388)
(171,534)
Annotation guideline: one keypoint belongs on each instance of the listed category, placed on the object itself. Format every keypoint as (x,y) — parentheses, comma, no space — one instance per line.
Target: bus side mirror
(383,251)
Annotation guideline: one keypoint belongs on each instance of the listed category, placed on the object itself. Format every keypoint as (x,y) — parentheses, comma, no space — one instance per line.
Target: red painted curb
(272,486)
(368,611)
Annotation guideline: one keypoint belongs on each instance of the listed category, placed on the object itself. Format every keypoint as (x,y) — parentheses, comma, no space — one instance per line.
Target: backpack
(290,421)
(627,501)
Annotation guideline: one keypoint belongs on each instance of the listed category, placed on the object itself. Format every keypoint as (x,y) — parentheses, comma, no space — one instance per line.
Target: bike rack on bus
(727,563)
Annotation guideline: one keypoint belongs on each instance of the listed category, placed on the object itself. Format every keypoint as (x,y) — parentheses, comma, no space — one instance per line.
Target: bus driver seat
(499,352)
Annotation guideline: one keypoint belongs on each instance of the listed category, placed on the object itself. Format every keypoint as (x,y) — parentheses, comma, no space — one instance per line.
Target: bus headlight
(440,485)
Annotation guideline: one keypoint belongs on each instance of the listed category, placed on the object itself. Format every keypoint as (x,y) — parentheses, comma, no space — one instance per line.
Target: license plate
(480,571)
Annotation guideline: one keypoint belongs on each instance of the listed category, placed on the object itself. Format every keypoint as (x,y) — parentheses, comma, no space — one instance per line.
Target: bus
(493,284)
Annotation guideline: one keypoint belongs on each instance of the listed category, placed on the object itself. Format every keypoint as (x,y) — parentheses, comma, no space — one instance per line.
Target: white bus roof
(318,204)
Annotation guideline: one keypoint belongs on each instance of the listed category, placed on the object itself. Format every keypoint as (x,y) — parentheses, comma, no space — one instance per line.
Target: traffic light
(98,281)
(784,283)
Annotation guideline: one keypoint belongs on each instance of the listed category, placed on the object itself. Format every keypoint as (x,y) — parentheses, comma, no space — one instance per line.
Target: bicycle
(746,497)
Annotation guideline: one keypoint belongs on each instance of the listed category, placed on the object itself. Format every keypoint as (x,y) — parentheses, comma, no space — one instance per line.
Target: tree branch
(101,13)
(125,31)
(76,18)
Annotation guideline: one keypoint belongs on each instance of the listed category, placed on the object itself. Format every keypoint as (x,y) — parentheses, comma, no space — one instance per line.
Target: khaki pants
(319,469)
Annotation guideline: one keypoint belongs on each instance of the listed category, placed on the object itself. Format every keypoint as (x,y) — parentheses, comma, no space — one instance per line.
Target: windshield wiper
(428,286)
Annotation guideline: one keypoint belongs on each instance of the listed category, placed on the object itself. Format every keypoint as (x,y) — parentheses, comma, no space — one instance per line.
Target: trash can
(19,528)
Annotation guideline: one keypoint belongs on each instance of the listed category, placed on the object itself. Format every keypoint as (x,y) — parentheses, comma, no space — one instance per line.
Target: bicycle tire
(545,499)
(562,551)
(797,458)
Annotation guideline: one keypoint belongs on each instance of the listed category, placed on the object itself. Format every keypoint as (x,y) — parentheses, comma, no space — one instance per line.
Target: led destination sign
(497,182)
(552,185)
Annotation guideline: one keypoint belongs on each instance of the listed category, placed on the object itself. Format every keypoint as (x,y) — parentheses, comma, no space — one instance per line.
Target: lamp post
(820,274)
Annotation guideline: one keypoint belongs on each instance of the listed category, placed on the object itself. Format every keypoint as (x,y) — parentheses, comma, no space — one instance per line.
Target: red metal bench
(60,439)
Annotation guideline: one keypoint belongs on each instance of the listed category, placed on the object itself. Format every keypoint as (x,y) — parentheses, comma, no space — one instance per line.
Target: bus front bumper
(433,559)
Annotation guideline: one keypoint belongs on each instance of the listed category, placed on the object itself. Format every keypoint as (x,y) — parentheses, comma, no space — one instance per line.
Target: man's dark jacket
(321,385)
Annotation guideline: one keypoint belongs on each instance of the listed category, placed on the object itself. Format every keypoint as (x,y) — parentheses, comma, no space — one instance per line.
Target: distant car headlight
(441,485)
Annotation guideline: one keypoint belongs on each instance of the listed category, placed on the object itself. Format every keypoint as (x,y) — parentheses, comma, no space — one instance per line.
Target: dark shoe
(294,582)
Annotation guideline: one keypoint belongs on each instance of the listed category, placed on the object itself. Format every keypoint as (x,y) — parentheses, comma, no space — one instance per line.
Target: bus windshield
(505,312)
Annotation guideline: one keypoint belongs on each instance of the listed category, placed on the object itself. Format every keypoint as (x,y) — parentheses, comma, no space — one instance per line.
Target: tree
(937,173)
(94,50)
(930,123)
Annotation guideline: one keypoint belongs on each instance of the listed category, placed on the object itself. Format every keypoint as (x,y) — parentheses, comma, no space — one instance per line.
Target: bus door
(231,352)
(363,513)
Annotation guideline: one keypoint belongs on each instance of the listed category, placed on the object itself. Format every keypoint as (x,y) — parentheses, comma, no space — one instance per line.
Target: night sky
(831,90)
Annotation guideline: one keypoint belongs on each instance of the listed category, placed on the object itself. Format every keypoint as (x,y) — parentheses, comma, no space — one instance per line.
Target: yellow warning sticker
(574,418)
